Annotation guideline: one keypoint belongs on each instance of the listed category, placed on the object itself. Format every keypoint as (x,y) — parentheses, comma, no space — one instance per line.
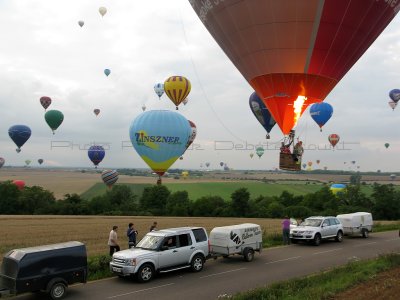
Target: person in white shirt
(113,240)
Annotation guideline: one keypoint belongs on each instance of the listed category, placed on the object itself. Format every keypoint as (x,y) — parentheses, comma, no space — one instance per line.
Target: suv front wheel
(197,263)
(317,239)
(339,237)
(145,273)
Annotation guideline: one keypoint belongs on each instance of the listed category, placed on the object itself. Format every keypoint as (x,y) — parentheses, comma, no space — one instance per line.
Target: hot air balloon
(96,111)
(181,158)
(309,163)
(2,161)
(353,162)
(19,183)
(395,95)
(102,11)
(393,176)
(144,107)
(304,166)
(40,161)
(159,89)
(259,151)
(392,105)
(45,101)
(387,145)
(251,155)
(261,112)
(207,164)
(221,163)
(107,72)
(325,168)
(294,54)
(81,23)
(338,188)
(185,174)
(192,134)
(318,161)
(54,118)
(19,134)
(160,137)
(27,162)
(109,177)
(321,113)
(96,154)
(185,101)
(333,139)
(226,168)
(177,89)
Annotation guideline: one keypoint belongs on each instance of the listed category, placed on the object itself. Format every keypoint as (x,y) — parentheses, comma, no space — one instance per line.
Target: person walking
(286,230)
(113,240)
(153,227)
(131,233)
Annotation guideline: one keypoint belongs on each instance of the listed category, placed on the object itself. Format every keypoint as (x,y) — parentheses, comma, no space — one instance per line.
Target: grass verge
(379,227)
(323,285)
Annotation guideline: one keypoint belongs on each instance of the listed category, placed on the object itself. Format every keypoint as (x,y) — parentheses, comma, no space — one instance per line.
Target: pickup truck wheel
(58,291)
(317,239)
(339,237)
(248,254)
(365,233)
(145,273)
(197,263)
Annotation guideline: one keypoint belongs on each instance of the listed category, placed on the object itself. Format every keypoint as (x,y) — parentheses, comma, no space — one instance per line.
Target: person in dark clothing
(131,233)
(153,227)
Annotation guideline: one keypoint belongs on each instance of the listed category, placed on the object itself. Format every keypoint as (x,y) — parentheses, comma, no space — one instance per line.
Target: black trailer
(49,268)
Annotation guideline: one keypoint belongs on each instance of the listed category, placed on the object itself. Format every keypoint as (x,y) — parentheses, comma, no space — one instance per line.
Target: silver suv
(163,251)
(315,229)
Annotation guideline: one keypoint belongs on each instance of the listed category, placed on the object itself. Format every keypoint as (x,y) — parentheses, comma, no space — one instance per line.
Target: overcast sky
(44,52)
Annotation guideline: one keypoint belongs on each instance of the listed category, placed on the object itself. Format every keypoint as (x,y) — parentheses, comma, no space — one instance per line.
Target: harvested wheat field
(25,231)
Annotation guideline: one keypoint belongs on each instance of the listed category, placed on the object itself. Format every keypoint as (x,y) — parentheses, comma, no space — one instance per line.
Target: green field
(222,189)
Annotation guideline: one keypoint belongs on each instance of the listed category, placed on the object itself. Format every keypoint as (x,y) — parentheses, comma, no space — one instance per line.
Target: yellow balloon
(177,89)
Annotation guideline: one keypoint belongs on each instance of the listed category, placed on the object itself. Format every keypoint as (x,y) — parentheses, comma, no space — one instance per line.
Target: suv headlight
(131,262)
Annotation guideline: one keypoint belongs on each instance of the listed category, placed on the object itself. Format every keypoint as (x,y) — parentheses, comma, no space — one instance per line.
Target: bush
(98,267)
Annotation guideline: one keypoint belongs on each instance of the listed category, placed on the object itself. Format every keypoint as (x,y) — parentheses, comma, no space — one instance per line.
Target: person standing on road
(131,233)
(286,230)
(153,227)
(113,240)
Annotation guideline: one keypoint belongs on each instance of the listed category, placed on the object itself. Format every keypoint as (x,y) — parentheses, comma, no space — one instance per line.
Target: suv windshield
(312,222)
(150,242)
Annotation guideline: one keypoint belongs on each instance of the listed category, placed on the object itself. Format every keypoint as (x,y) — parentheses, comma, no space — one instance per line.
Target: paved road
(229,276)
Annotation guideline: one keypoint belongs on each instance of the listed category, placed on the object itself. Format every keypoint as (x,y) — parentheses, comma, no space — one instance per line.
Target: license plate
(115,269)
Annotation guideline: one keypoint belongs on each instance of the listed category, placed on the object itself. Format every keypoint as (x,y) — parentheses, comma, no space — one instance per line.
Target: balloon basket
(286,162)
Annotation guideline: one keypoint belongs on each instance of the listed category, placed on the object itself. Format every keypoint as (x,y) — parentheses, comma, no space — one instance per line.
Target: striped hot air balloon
(177,89)
(109,177)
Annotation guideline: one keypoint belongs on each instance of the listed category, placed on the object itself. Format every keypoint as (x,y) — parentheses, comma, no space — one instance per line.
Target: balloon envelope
(299,49)
(96,154)
(333,139)
(19,134)
(96,111)
(28,162)
(192,134)
(19,183)
(102,11)
(395,95)
(392,104)
(109,177)
(40,161)
(54,118)
(337,188)
(321,113)
(81,23)
(207,164)
(221,163)
(261,112)
(260,151)
(45,101)
(2,161)
(177,89)
(107,72)
(387,145)
(159,89)
(160,138)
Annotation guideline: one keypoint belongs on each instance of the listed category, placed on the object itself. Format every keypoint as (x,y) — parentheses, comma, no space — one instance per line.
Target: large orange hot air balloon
(293,53)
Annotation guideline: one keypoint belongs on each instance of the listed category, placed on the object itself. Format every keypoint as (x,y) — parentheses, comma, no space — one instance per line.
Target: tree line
(158,200)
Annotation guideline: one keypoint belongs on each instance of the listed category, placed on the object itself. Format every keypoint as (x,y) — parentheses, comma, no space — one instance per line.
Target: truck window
(199,235)
(170,242)
(184,240)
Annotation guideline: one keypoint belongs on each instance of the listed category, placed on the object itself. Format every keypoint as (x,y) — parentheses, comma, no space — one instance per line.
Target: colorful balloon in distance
(20,184)
(81,23)
(261,113)
(19,134)
(304,166)
(392,105)
(309,163)
(177,88)
(321,113)
(160,137)
(337,188)
(96,154)
(387,145)
(2,161)
(333,139)
(45,102)
(185,174)
(109,177)
(54,119)
(395,95)
(107,72)
(192,134)
(28,162)
(317,38)
(40,161)
(96,111)
(259,151)
(159,89)
(102,11)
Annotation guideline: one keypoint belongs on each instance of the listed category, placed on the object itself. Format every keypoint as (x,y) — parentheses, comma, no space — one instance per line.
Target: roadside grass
(379,227)
(323,285)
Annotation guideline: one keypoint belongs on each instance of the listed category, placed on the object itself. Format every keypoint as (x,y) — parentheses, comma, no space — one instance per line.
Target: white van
(242,239)
(356,223)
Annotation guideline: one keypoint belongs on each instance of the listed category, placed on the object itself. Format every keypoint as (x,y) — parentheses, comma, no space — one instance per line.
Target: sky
(44,52)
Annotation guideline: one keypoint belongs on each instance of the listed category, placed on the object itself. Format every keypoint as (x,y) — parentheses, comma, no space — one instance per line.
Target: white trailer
(242,239)
(356,223)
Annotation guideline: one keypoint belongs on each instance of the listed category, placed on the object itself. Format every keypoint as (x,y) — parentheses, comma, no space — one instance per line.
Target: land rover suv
(315,229)
(163,251)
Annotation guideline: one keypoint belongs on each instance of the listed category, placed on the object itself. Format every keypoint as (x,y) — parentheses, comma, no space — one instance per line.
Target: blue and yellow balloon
(160,138)
(338,188)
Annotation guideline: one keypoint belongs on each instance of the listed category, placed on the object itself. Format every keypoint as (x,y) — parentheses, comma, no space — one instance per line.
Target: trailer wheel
(248,254)
(365,233)
(58,290)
